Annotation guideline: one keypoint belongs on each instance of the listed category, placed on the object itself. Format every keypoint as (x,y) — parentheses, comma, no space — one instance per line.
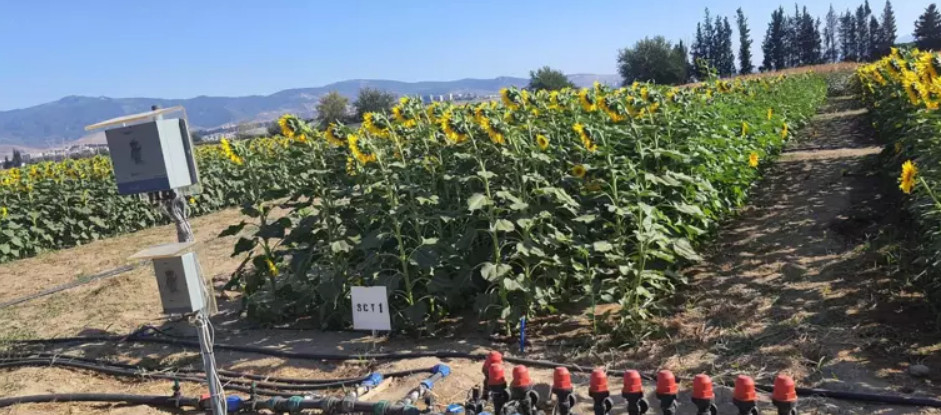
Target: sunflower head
(542,141)
(753,159)
(907,179)
(579,171)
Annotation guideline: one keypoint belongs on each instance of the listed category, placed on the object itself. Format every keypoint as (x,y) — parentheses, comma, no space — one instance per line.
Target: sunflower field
(903,93)
(538,203)
(54,205)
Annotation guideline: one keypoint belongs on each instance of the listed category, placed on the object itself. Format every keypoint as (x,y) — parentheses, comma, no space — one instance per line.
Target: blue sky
(181,49)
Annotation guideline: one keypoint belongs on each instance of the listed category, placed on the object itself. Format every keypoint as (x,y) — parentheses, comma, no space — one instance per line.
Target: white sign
(370,308)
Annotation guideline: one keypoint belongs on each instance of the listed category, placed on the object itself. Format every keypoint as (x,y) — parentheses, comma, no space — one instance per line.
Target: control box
(179,283)
(152,156)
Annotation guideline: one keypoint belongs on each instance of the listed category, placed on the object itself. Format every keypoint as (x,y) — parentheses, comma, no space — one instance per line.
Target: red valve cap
(521,377)
(496,375)
(632,383)
(784,389)
(702,387)
(561,379)
(744,389)
(666,383)
(598,382)
(492,357)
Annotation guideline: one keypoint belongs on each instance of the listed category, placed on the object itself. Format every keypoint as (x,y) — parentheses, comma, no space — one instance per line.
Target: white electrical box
(150,153)
(178,278)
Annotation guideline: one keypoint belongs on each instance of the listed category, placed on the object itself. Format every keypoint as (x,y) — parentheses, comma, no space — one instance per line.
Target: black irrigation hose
(133,371)
(82,281)
(442,354)
(279,404)
(165,401)
(224,373)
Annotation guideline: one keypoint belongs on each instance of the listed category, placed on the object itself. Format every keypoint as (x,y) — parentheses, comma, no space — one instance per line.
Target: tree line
(790,40)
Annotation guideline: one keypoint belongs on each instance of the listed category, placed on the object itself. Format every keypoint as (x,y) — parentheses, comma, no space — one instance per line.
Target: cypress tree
(862,32)
(928,29)
(875,38)
(744,44)
(848,46)
(773,46)
(887,33)
(830,46)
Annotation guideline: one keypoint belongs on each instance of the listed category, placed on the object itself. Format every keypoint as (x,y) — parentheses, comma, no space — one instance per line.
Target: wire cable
(446,354)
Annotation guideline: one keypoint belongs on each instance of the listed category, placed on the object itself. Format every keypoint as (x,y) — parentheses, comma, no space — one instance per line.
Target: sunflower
(192,201)
(907,179)
(770,113)
(230,153)
(586,102)
(285,123)
(4,212)
(353,141)
(505,97)
(753,159)
(369,123)
(554,101)
(272,269)
(583,135)
(579,171)
(784,130)
(542,141)
(744,128)
(330,134)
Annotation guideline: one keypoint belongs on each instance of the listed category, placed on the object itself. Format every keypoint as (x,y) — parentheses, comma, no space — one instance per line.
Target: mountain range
(57,123)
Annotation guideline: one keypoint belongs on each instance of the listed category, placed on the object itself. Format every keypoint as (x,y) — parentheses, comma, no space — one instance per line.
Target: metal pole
(216,393)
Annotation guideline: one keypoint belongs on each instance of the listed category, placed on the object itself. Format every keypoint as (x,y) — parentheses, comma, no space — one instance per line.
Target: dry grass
(842,67)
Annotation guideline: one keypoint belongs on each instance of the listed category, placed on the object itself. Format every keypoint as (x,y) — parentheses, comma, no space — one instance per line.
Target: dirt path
(799,282)
(795,283)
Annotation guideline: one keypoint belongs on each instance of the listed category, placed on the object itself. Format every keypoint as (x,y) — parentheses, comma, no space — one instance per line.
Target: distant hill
(63,121)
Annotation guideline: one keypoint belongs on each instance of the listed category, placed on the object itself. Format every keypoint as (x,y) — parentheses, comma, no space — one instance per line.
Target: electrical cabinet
(179,284)
(151,156)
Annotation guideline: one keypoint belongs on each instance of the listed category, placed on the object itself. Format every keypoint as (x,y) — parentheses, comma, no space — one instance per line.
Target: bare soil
(803,281)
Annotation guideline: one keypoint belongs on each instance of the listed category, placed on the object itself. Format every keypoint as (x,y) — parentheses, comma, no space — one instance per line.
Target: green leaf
(585,219)
(486,174)
(491,271)
(477,201)
(689,209)
(683,248)
(340,246)
(511,284)
(504,225)
(602,246)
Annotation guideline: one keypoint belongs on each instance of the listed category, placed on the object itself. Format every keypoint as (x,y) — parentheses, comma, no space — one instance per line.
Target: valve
(598,390)
(496,387)
(475,405)
(633,393)
(562,388)
(744,396)
(493,358)
(703,396)
(784,395)
(521,391)
(666,392)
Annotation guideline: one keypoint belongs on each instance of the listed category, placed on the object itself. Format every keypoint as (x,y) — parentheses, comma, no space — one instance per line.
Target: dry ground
(795,283)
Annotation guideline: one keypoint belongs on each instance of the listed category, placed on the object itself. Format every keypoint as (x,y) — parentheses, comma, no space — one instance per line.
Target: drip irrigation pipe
(53,358)
(263,387)
(443,354)
(291,404)
(164,401)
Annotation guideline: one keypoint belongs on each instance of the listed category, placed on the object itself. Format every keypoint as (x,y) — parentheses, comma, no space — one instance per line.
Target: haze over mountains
(57,123)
